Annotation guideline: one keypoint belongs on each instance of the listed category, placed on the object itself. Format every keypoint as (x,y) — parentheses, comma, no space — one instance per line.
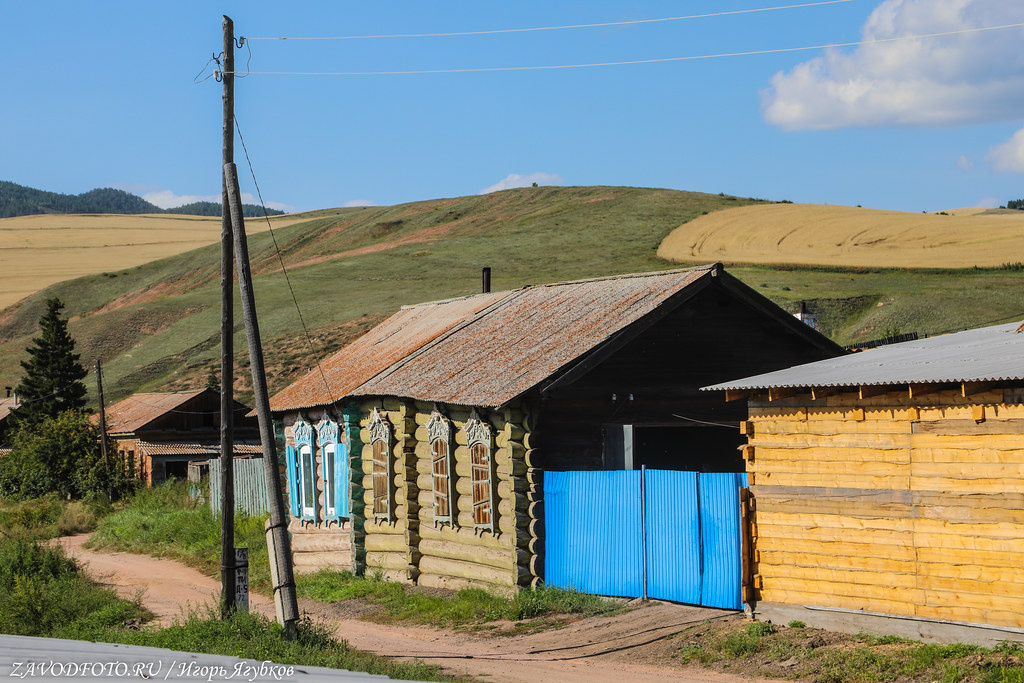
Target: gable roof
(488,349)
(982,355)
(138,410)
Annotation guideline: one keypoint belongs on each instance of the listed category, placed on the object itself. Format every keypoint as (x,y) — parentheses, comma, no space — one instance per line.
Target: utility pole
(227,345)
(103,426)
(281,555)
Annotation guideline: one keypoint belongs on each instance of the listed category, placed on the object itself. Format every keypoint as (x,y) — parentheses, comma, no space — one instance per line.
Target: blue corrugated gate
(610,532)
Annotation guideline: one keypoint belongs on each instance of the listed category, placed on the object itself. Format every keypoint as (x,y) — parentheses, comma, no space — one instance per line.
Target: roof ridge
(602,278)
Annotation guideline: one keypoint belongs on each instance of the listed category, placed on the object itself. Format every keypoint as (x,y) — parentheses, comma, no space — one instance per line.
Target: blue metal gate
(664,534)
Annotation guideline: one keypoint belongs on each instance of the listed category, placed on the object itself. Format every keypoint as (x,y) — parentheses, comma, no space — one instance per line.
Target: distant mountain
(18,200)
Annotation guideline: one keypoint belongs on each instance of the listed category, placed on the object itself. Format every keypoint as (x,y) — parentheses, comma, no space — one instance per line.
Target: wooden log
(974,615)
(377,542)
(507,487)
(306,543)
(470,570)
(457,583)
(499,558)
(535,566)
(387,560)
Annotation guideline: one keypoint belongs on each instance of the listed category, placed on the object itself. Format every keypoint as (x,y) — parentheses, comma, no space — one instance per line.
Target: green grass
(468,606)
(49,517)
(46,594)
(801,653)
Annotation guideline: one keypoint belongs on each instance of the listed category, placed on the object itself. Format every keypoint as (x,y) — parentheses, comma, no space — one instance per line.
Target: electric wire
(284,270)
(628,22)
(660,60)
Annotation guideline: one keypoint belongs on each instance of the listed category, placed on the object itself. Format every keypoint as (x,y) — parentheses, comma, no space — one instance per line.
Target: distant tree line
(18,200)
(1015,204)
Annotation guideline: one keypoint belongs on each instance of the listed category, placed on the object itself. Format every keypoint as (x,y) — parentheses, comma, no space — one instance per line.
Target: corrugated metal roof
(487,349)
(981,355)
(196,448)
(138,410)
(387,343)
(525,338)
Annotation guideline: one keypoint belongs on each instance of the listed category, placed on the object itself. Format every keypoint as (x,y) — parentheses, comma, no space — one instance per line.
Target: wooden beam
(971,388)
(918,390)
(737,394)
(979,413)
(780,393)
(869,390)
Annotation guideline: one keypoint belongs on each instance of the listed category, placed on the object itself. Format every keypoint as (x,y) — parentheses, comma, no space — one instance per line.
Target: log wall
(899,504)
(412,547)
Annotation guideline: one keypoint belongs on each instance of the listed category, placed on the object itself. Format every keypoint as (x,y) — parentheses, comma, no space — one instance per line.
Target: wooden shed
(888,489)
(449,412)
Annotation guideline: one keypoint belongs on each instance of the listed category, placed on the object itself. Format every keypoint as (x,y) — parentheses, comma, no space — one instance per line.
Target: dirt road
(635,646)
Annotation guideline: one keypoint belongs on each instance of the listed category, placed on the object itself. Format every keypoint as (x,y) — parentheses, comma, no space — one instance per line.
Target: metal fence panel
(721,541)
(673,536)
(251,495)
(593,532)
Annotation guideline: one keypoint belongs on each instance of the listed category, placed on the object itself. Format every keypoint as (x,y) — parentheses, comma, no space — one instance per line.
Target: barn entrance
(661,534)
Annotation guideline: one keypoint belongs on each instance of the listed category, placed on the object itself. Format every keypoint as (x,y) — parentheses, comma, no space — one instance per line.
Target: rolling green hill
(157,325)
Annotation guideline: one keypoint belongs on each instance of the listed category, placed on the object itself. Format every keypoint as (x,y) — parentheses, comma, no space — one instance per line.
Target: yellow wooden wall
(901,503)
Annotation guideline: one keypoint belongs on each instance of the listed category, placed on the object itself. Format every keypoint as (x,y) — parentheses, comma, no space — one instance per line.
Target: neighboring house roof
(488,349)
(6,404)
(138,410)
(982,355)
(196,448)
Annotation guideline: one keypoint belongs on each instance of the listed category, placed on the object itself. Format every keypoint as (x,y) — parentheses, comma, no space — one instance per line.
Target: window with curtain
(480,438)
(439,430)
(383,467)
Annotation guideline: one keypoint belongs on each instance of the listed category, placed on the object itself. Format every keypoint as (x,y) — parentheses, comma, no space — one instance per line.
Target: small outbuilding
(425,441)
(159,434)
(888,488)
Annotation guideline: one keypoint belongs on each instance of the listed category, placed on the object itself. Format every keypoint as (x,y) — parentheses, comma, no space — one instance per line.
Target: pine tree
(53,376)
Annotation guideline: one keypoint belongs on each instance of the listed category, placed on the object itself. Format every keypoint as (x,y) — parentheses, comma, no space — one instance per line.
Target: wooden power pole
(227,346)
(281,554)
(103,426)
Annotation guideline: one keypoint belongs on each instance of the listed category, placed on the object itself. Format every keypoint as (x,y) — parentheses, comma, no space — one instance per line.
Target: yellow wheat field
(810,234)
(37,251)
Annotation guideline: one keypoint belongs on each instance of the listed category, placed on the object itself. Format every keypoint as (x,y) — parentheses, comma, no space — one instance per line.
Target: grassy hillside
(157,325)
(810,234)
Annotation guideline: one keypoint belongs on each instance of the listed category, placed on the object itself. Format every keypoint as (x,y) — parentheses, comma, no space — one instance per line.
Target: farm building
(425,440)
(888,488)
(162,433)
(6,405)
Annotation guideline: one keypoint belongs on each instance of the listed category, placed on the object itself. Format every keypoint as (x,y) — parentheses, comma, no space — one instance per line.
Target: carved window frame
(305,460)
(383,471)
(483,473)
(442,469)
(333,469)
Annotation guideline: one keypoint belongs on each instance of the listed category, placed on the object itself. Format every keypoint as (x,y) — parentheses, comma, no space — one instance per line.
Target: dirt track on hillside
(634,646)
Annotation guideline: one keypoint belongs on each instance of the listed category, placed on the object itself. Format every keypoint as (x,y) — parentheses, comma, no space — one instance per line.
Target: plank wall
(891,504)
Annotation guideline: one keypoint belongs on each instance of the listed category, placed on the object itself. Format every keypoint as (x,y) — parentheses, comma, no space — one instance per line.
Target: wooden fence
(250,486)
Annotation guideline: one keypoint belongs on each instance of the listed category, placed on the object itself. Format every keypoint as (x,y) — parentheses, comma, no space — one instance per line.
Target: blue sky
(102,94)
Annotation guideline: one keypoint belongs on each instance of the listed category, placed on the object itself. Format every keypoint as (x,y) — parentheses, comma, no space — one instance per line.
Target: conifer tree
(53,376)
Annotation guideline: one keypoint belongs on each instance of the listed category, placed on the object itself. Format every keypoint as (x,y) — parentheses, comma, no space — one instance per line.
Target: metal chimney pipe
(487,279)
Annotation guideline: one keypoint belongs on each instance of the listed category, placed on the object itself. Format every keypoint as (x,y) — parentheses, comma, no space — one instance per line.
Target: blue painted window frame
(308,510)
(334,463)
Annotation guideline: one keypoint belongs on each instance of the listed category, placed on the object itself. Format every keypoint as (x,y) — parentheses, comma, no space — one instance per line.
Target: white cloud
(359,202)
(166,199)
(964,163)
(942,81)
(516,180)
(1008,157)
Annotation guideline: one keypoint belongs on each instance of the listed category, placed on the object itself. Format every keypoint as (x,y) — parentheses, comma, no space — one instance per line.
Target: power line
(284,270)
(631,22)
(748,53)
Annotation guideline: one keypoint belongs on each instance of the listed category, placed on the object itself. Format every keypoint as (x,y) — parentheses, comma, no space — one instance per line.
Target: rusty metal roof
(377,350)
(982,355)
(138,410)
(488,349)
(247,448)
